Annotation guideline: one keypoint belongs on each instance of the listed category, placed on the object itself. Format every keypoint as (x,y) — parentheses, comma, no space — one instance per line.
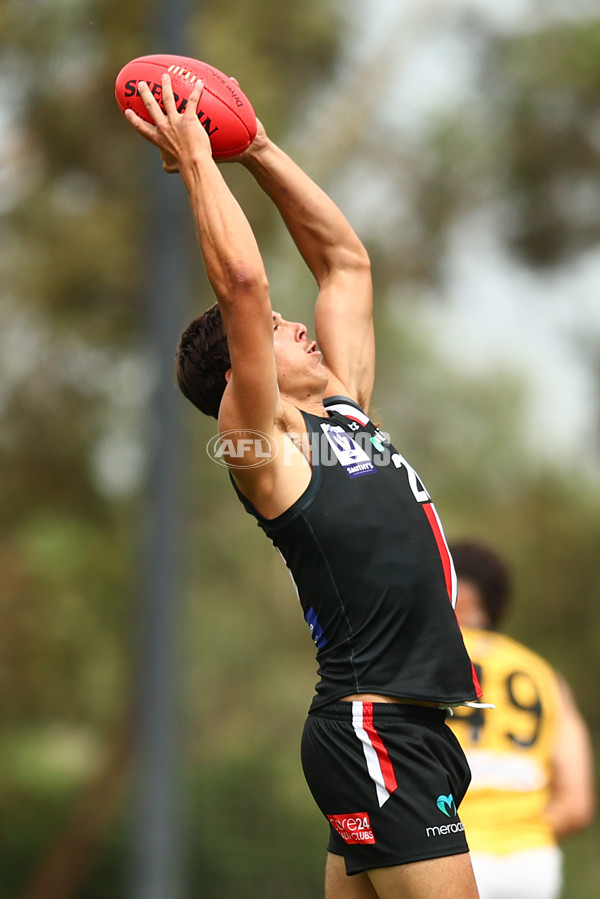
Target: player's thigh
(449,877)
(339,886)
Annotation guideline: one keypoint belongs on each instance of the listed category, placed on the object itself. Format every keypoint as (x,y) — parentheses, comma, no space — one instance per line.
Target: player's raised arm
(336,258)
(231,256)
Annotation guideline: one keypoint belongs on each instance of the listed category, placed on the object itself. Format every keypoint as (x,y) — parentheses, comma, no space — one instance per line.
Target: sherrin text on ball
(224,110)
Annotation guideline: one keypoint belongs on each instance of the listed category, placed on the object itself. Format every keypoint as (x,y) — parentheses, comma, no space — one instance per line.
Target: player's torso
(370,562)
(509,747)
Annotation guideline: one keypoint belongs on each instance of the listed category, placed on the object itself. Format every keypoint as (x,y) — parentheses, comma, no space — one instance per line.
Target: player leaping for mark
(363,542)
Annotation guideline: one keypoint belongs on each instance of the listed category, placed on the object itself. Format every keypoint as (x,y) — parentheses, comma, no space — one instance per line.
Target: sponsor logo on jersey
(349,454)
(354,828)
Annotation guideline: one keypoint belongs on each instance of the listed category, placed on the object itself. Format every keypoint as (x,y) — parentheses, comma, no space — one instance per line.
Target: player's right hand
(177,135)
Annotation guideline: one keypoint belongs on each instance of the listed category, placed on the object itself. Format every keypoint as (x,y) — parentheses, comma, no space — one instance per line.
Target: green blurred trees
(73,441)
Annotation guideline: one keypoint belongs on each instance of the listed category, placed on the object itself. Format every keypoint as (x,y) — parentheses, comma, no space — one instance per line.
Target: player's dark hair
(201,361)
(486,570)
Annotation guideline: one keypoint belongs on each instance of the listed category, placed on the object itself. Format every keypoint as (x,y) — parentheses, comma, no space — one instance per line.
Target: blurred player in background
(530,757)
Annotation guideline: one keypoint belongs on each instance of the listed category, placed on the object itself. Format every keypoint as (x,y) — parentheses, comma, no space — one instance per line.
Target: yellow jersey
(510,747)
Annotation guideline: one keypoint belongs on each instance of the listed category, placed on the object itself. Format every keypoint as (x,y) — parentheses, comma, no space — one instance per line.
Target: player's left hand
(260,141)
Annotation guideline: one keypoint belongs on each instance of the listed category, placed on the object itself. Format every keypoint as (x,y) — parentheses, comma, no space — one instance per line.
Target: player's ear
(228,375)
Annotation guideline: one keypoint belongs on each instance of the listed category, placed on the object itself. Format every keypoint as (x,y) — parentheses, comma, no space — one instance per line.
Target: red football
(224,109)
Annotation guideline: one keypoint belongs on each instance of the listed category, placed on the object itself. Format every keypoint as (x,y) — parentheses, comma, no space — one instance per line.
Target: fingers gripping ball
(224,110)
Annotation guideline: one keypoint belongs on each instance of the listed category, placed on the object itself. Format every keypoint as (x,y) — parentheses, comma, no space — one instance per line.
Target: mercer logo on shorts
(353,828)
(447,807)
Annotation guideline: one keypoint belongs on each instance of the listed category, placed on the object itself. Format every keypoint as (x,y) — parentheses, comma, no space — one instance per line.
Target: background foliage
(75,383)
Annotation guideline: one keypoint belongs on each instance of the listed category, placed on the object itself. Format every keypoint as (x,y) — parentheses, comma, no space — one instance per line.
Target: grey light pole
(157,833)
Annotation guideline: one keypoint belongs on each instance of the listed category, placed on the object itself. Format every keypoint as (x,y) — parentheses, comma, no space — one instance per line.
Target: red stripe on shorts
(389,778)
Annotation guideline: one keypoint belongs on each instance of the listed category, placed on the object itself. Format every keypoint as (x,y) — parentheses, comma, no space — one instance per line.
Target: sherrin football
(224,109)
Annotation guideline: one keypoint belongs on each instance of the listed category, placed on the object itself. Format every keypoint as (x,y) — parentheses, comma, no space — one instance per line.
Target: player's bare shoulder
(272,468)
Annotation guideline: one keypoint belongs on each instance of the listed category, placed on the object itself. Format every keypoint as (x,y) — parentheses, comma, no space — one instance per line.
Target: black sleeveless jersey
(368,556)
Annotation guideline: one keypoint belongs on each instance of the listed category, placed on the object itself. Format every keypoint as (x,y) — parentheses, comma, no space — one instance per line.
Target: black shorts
(389,778)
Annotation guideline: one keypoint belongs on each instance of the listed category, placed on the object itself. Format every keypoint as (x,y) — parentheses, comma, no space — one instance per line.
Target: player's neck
(307,402)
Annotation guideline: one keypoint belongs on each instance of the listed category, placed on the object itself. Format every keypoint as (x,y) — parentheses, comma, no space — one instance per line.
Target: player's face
(469,607)
(297,357)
